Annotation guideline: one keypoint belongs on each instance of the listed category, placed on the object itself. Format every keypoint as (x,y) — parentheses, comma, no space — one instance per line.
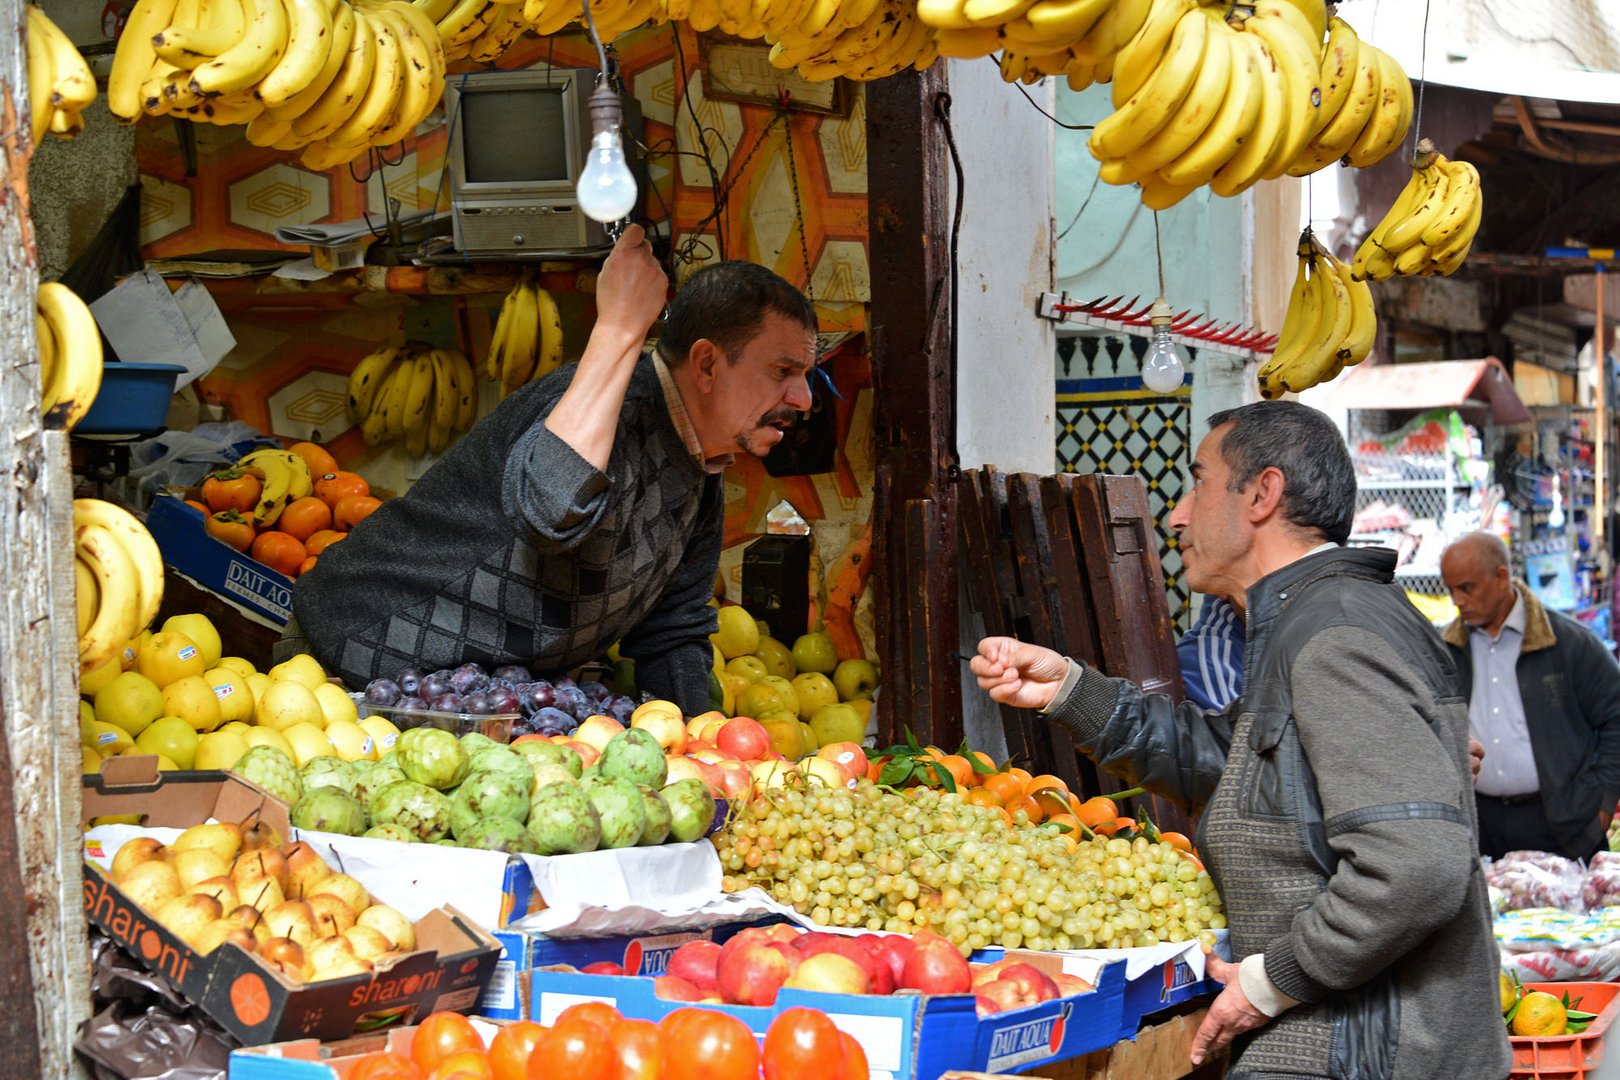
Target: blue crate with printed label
(183,538)
(905,1036)
(507,996)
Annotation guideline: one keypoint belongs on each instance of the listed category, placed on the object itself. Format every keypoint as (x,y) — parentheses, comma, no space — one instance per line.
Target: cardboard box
(906,1036)
(453,962)
(186,546)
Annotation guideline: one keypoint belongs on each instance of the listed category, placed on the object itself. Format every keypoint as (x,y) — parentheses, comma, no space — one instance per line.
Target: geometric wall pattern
(1111,424)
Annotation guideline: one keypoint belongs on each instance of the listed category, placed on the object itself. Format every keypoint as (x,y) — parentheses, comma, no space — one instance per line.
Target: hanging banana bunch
(1330,324)
(70,361)
(528,340)
(119,572)
(1431,227)
(424,396)
(60,85)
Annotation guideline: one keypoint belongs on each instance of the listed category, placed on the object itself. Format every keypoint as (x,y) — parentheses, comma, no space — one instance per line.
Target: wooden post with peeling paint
(44,969)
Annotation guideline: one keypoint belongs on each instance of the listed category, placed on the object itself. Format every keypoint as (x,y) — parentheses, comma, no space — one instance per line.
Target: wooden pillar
(914,417)
(43,959)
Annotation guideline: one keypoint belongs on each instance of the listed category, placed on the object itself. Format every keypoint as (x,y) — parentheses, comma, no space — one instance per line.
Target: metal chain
(798,208)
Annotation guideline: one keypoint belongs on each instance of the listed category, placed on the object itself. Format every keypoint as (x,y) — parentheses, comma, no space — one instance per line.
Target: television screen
(514,135)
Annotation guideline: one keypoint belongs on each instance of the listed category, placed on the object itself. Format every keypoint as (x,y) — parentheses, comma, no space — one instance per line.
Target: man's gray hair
(1319,489)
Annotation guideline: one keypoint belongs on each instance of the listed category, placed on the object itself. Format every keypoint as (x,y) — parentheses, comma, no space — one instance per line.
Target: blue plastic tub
(133,400)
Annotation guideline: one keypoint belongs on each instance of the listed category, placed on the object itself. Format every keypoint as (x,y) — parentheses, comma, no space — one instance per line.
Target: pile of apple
(222,883)
(805,696)
(755,965)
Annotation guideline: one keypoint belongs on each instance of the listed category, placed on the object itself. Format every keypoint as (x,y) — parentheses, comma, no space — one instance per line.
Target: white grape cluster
(870,858)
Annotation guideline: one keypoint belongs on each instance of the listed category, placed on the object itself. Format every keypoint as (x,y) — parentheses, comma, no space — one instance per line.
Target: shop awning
(1472,385)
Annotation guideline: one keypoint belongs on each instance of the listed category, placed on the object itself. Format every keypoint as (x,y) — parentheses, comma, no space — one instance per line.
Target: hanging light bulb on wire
(606,188)
(1164,365)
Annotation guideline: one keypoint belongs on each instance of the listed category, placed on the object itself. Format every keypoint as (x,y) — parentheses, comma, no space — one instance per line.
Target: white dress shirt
(1495,712)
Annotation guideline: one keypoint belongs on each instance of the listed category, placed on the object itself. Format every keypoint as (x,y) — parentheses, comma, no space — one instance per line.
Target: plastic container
(497,726)
(133,400)
(1568,1057)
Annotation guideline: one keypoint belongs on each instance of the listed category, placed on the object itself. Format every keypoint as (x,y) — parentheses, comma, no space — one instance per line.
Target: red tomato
(439,1036)
(382,1066)
(640,1049)
(708,1045)
(802,1044)
(510,1049)
(463,1063)
(855,1067)
(574,1048)
(599,1013)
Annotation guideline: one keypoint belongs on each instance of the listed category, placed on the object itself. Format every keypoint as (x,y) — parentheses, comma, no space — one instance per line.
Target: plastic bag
(1536,879)
(185,458)
(1598,964)
(114,251)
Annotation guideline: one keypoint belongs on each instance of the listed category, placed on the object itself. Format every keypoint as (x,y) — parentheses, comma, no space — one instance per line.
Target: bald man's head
(1475,570)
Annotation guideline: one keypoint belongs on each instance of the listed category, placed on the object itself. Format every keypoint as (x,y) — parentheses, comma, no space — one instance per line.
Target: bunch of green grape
(869,857)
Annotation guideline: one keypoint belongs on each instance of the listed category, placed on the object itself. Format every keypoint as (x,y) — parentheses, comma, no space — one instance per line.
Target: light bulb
(1162,367)
(607,190)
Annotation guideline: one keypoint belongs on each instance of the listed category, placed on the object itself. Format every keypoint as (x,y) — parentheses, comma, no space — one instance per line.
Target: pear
(188,916)
(342,968)
(305,868)
(199,864)
(286,957)
(291,919)
(332,915)
(327,951)
(151,884)
(221,931)
(133,853)
(257,865)
(368,944)
(261,894)
(250,919)
(345,888)
(220,888)
(221,837)
(257,835)
(392,924)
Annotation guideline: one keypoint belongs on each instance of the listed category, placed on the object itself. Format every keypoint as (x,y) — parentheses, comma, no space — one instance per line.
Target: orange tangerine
(1123,823)
(1030,807)
(1047,780)
(1105,828)
(1070,823)
(982,797)
(1096,810)
(961,772)
(1023,776)
(1051,800)
(1006,786)
(1176,840)
(985,762)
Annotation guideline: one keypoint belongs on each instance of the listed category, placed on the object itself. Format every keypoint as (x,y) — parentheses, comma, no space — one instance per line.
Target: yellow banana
(466,392)
(1320,350)
(366,377)
(443,411)
(1148,110)
(137,544)
(1345,126)
(423,83)
(1138,58)
(132,62)
(118,604)
(497,337)
(72,86)
(1160,194)
(192,46)
(343,25)
(49,361)
(86,594)
(1232,125)
(1408,230)
(250,59)
(1282,28)
(41,75)
(1244,168)
(1451,255)
(396,391)
(551,335)
(309,44)
(1298,323)
(435,10)
(275,490)
(381,97)
(1410,196)
(1358,341)
(1393,114)
(522,342)
(1204,100)
(1338,71)
(341,99)
(78,348)
(1071,18)
(1461,194)
(419,392)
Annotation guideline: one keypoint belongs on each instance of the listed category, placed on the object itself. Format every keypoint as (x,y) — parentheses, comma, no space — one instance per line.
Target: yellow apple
(855,679)
(814,690)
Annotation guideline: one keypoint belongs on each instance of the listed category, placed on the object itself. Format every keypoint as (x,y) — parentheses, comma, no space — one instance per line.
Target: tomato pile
(592,1041)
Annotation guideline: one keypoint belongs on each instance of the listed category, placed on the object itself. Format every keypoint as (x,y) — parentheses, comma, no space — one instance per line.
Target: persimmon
(316,457)
(352,510)
(279,551)
(307,565)
(322,540)
(195,505)
(332,487)
(304,518)
(231,528)
(231,489)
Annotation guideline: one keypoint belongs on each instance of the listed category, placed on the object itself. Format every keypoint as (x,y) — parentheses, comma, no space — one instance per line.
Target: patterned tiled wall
(1108,422)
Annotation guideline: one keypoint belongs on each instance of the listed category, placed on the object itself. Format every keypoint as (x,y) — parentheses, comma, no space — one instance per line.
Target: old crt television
(517,146)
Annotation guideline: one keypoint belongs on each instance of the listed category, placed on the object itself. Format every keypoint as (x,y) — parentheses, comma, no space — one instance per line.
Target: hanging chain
(798,203)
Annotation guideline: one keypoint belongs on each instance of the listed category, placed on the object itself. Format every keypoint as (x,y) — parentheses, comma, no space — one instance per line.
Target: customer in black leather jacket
(1338,816)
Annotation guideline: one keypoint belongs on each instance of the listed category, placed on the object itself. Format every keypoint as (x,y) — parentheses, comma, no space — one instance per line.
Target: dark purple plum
(433,686)
(596,691)
(572,700)
(410,680)
(447,703)
(536,696)
(476,703)
(550,721)
(502,700)
(410,704)
(566,680)
(467,678)
(382,692)
(515,673)
(620,708)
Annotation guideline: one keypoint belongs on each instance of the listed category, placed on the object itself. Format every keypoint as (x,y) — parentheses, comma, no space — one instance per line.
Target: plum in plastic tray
(497,726)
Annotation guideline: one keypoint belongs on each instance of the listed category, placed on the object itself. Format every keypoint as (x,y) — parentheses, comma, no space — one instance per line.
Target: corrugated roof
(1563,49)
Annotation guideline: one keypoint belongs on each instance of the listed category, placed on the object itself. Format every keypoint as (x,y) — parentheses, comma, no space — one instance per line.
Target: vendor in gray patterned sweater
(588,507)
(1338,814)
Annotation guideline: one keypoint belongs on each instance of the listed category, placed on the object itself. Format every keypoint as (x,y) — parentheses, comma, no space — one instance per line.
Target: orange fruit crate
(1568,1057)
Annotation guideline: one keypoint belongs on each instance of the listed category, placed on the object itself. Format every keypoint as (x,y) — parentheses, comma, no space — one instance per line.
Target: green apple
(837,723)
(815,652)
(776,658)
(751,668)
(814,690)
(786,738)
(855,678)
(790,696)
(759,698)
(738,635)
(810,743)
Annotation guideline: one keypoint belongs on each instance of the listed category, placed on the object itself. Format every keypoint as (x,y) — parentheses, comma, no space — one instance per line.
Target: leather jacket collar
(1268,595)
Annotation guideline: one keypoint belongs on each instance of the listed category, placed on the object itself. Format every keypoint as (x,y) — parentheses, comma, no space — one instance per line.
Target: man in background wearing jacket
(1338,815)
(1544,697)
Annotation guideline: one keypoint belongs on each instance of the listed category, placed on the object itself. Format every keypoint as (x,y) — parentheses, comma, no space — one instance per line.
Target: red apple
(997,995)
(879,978)
(675,988)
(1033,983)
(757,934)
(744,737)
(985,973)
(712,755)
(587,753)
(896,949)
(935,967)
(664,726)
(734,781)
(792,955)
(784,932)
(695,962)
(830,973)
(683,768)
(1070,985)
(602,967)
(751,974)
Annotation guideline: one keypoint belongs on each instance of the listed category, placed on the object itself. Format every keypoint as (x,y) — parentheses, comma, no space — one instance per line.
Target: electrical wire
(1095,180)
(590,28)
(1423,81)
(683,87)
(1158,252)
